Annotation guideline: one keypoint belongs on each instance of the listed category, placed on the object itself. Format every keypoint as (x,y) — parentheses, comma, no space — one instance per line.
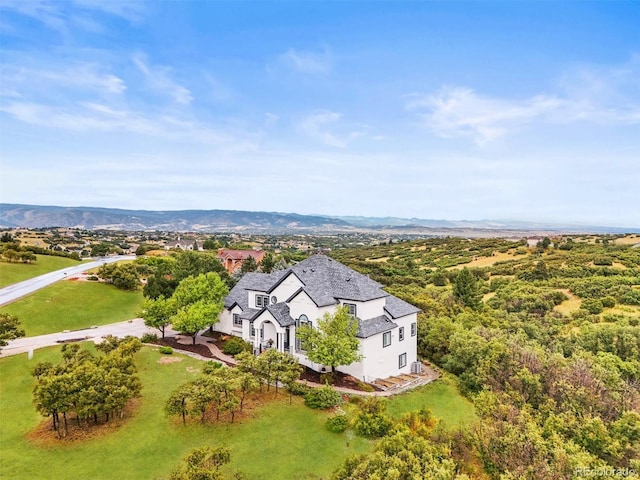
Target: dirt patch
(341,380)
(44,435)
(167,360)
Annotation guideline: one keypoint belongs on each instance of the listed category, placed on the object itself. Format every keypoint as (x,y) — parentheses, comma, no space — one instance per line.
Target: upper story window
(237,321)
(414,329)
(401,334)
(351,307)
(262,300)
(386,339)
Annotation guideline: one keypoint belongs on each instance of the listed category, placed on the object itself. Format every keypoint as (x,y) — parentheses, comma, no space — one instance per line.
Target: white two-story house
(266,310)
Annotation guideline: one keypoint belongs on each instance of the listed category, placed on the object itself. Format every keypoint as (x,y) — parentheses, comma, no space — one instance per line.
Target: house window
(302,320)
(401,334)
(414,329)
(252,330)
(237,321)
(386,339)
(351,307)
(262,300)
(402,360)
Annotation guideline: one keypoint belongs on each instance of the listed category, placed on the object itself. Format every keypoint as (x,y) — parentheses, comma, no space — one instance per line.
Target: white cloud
(588,94)
(317,126)
(458,112)
(329,128)
(131,10)
(91,117)
(80,76)
(159,79)
(308,62)
(60,16)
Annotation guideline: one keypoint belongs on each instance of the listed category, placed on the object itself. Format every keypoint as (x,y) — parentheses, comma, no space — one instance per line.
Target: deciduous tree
(198,302)
(333,342)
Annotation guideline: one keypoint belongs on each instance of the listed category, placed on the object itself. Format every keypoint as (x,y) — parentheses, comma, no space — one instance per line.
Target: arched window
(302,320)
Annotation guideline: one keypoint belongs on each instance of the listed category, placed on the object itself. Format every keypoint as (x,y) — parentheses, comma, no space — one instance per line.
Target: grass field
(280,441)
(11,273)
(484,261)
(72,305)
(628,240)
(441,397)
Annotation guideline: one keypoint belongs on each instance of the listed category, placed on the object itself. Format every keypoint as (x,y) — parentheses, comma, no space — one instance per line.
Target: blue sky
(456,110)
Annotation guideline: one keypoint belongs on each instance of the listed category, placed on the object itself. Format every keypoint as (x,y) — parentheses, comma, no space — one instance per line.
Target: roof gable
(326,280)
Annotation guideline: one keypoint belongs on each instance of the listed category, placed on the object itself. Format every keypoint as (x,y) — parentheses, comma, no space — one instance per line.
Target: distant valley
(36,216)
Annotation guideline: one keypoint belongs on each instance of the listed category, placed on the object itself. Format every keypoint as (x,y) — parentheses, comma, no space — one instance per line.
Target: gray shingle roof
(251,281)
(326,280)
(280,312)
(373,326)
(250,313)
(399,308)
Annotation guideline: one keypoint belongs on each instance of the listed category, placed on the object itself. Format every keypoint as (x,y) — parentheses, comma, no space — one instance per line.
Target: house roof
(327,280)
(250,313)
(175,243)
(373,326)
(251,281)
(280,312)
(399,308)
(240,254)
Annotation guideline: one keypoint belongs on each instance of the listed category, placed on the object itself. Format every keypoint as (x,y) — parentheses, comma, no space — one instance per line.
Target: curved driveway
(20,289)
(134,327)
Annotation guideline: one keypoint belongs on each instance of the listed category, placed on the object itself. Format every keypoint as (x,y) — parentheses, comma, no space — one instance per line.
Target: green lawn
(441,397)
(70,305)
(279,441)
(11,273)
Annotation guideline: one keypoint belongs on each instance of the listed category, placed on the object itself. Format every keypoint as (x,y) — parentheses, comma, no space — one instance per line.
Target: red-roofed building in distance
(232,259)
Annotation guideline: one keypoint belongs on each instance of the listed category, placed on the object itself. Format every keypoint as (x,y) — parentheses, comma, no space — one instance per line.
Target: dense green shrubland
(557,389)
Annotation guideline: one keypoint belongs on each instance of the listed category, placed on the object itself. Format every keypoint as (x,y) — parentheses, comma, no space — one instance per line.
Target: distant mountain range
(36,216)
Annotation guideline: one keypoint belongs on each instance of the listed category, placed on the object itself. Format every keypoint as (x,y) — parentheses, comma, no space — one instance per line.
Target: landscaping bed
(199,349)
(341,380)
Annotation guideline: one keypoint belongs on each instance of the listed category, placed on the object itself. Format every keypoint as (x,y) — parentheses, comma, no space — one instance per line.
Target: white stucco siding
(356,369)
(301,304)
(370,309)
(382,362)
(286,288)
(412,347)
(252,297)
(225,323)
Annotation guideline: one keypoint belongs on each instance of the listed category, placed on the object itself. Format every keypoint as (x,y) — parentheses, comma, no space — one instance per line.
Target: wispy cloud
(601,96)
(329,128)
(81,76)
(63,16)
(460,112)
(159,78)
(96,117)
(308,62)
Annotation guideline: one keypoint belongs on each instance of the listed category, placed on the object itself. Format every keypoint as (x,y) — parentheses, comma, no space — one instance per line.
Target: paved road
(18,290)
(134,327)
